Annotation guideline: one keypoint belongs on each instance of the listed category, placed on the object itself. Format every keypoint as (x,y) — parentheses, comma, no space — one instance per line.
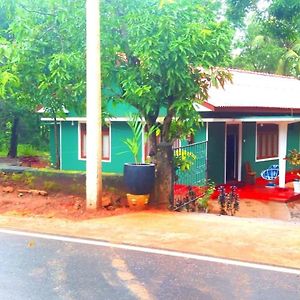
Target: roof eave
(251,109)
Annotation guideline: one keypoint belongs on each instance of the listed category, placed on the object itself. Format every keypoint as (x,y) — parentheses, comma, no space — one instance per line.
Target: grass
(55,171)
(3,152)
(27,150)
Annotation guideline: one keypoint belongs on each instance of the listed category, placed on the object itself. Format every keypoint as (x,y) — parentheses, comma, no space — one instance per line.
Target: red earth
(57,205)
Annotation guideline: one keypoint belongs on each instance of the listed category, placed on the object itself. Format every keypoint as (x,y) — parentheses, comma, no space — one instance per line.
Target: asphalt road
(41,268)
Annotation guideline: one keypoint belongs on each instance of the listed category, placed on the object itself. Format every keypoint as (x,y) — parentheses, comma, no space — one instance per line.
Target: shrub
(229,202)
(183,160)
(293,157)
(203,201)
(29,150)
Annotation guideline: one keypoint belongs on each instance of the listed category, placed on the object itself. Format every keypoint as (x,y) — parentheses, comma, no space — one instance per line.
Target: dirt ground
(57,205)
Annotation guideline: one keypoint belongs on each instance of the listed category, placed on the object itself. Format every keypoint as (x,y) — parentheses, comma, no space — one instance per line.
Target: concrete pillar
(93,106)
(282,145)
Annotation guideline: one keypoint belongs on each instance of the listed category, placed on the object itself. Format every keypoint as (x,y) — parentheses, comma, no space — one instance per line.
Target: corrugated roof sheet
(250,89)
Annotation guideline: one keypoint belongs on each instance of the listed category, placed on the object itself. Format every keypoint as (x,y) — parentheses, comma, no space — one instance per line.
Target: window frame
(259,158)
(106,130)
(176,144)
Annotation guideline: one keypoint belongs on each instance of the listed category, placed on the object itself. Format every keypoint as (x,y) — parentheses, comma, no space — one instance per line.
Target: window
(105,142)
(176,144)
(267,141)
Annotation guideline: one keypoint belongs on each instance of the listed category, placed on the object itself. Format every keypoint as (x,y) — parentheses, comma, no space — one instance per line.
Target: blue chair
(270,174)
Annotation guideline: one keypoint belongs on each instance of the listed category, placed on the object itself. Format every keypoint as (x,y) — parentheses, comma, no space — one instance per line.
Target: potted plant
(138,177)
(293,158)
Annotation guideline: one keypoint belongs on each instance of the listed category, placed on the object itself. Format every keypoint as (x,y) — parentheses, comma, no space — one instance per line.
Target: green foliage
(17,177)
(238,9)
(163,57)
(26,150)
(272,40)
(26,178)
(5,126)
(203,201)
(138,128)
(294,157)
(29,150)
(183,159)
(52,186)
(42,58)
(55,79)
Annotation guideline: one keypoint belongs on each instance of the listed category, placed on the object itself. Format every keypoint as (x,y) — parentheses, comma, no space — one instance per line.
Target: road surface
(49,267)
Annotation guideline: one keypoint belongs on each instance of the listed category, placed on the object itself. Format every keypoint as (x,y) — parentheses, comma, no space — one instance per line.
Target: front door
(232,138)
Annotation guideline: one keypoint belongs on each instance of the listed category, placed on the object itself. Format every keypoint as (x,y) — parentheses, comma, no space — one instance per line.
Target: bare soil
(56,205)
(73,207)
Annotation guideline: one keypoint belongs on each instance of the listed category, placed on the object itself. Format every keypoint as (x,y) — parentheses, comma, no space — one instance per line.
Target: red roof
(256,91)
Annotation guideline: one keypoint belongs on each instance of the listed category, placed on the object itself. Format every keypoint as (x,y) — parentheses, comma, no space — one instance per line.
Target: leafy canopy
(163,54)
(46,43)
(272,41)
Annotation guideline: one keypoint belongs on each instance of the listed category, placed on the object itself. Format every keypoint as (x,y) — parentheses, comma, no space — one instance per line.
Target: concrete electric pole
(93,107)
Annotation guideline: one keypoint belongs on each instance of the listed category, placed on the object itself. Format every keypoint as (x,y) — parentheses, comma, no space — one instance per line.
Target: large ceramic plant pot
(139,178)
(296,184)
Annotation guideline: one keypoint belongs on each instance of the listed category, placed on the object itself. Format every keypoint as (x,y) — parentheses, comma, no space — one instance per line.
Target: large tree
(48,44)
(272,40)
(163,54)
(164,57)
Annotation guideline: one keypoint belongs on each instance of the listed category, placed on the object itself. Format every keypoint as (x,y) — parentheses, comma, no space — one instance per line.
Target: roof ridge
(263,73)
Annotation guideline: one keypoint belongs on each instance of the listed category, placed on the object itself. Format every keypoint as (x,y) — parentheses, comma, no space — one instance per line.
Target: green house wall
(216,152)
(293,141)
(52,143)
(119,151)
(249,150)
(215,147)
(249,146)
(200,135)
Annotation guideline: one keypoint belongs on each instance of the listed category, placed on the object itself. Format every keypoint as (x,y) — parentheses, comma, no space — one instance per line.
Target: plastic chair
(270,174)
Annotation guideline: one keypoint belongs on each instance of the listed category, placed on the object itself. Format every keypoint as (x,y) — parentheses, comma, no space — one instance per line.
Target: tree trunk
(163,191)
(152,145)
(13,147)
(56,142)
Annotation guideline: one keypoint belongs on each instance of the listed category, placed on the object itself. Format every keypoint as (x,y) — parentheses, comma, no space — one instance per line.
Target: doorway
(232,152)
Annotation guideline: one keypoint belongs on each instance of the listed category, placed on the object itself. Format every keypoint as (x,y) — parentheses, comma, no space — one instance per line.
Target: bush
(229,202)
(203,201)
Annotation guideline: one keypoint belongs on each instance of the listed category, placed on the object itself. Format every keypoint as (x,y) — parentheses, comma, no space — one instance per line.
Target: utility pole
(93,107)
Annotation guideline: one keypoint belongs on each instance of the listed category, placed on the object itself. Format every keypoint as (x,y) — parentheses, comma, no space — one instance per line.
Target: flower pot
(137,202)
(139,178)
(296,184)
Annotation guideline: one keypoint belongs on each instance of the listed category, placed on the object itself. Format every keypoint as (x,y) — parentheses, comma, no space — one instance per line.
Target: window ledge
(103,160)
(266,159)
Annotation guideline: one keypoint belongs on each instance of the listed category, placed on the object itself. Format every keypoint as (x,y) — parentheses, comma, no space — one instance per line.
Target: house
(255,120)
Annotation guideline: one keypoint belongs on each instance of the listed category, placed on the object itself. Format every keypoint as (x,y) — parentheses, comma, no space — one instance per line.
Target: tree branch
(36,11)
(167,121)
